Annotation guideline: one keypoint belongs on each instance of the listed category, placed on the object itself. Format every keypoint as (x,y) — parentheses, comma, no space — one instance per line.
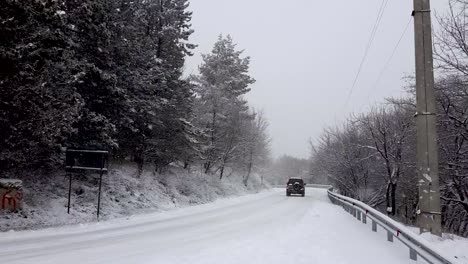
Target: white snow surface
(123,194)
(452,245)
(258,228)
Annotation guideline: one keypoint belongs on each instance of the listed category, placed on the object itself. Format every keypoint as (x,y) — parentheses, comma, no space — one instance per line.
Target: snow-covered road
(262,228)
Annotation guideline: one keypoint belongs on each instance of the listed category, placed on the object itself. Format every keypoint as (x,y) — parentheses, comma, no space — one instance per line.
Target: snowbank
(452,245)
(10,183)
(45,200)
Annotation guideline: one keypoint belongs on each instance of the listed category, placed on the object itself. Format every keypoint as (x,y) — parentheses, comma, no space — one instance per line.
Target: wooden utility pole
(429,213)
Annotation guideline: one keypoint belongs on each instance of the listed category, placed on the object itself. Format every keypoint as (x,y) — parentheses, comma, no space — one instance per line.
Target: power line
(391,57)
(383,5)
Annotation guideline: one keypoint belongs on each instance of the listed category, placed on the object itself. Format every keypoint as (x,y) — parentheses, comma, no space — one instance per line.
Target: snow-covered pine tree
(151,42)
(221,109)
(94,73)
(38,99)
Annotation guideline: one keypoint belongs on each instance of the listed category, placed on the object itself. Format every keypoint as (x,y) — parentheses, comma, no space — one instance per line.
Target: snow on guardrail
(417,245)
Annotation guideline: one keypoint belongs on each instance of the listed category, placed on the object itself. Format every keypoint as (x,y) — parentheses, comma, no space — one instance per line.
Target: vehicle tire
(303,194)
(288,194)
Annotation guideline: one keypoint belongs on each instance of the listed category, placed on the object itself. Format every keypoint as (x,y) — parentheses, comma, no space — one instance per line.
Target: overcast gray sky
(304,56)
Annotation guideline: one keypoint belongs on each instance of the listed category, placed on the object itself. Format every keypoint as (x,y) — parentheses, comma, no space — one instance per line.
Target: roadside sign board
(80,160)
(86,160)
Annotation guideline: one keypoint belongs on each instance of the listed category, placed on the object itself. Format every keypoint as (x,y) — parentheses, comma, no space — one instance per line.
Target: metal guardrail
(320,186)
(417,247)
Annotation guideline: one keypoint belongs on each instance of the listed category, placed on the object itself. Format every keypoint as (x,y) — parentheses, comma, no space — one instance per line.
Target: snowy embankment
(452,245)
(45,199)
(452,248)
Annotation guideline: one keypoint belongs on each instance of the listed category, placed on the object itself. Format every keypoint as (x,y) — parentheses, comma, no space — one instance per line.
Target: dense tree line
(372,156)
(108,74)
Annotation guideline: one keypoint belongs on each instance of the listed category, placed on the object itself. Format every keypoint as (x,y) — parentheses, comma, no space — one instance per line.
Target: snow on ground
(45,198)
(263,228)
(453,248)
(452,245)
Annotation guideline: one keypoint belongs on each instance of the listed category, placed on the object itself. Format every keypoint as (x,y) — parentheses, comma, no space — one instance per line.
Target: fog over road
(261,228)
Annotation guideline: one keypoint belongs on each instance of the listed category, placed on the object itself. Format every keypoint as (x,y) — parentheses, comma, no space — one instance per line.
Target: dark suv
(295,186)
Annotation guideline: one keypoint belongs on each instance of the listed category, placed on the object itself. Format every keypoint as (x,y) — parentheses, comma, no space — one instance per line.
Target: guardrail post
(389,236)
(374,225)
(364,218)
(413,254)
(359,215)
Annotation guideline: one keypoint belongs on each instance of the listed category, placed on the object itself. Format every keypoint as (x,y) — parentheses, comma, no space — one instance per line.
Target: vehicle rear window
(292,181)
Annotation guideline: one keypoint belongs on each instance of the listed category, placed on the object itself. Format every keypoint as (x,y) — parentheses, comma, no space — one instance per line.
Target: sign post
(86,161)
